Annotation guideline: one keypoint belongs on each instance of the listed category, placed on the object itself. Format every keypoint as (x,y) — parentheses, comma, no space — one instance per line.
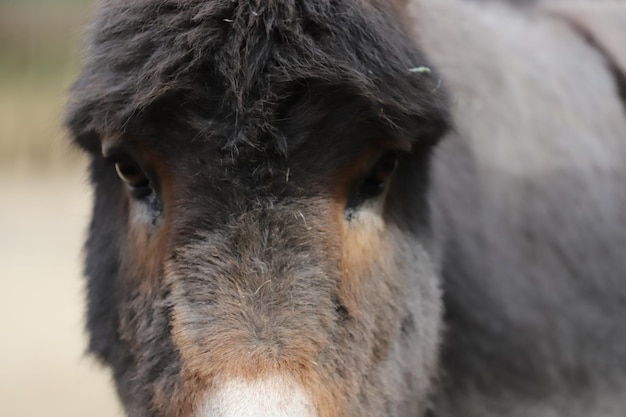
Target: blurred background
(44,210)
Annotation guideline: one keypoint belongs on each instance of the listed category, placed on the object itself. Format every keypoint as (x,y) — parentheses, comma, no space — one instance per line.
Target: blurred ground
(44,209)
(43,371)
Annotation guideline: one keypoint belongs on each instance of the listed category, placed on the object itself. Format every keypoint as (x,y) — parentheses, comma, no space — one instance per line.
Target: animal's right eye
(133,176)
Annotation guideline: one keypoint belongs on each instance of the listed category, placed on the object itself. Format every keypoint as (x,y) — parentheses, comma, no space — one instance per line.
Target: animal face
(259,233)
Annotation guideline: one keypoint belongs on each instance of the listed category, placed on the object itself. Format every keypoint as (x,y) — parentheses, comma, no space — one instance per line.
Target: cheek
(391,291)
(143,252)
(366,257)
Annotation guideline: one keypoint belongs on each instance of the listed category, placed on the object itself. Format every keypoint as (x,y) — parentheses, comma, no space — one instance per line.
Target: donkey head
(257,246)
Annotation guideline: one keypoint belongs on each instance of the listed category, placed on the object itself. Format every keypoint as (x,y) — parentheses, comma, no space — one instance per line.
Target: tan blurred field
(44,210)
(43,370)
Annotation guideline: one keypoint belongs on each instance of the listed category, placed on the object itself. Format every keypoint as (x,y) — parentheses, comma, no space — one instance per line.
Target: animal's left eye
(374,183)
(133,175)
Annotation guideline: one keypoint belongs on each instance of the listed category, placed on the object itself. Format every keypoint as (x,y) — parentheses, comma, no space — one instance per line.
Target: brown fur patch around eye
(361,247)
(361,239)
(147,243)
(145,253)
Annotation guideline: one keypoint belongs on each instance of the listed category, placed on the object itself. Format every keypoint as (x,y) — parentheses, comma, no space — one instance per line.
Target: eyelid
(399,145)
(116,152)
(112,147)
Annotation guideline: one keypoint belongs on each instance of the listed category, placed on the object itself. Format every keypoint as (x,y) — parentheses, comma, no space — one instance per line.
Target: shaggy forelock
(225,66)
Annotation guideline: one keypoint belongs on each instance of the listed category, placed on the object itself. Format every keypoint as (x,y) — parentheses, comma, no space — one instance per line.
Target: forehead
(232,74)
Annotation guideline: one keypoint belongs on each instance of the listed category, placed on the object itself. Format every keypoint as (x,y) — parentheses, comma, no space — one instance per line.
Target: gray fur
(533,216)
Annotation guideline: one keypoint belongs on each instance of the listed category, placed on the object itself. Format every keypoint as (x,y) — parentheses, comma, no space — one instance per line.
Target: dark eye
(373,184)
(131,173)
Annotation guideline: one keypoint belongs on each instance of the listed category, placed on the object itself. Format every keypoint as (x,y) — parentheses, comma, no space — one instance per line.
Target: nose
(272,396)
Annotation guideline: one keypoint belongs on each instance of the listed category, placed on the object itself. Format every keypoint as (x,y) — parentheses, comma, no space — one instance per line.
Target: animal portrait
(357,207)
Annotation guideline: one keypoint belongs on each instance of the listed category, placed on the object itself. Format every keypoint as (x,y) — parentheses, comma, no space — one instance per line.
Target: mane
(225,67)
